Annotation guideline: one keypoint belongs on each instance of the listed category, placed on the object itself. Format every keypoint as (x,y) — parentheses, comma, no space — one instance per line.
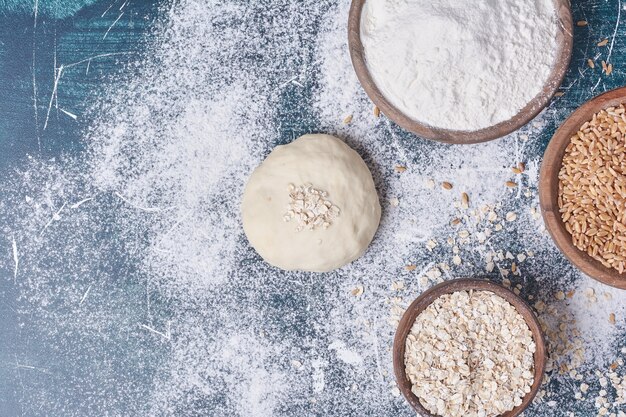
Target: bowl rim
(466,284)
(565,44)
(549,188)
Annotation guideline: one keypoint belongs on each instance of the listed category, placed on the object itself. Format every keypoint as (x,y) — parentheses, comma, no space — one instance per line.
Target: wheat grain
(592,188)
(465,200)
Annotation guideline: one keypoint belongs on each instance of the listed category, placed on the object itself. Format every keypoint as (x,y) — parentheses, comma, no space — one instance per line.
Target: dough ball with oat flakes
(311,205)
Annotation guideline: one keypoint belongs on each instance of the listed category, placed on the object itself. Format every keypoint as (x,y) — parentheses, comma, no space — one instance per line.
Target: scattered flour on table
(457,66)
(147,291)
(345,354)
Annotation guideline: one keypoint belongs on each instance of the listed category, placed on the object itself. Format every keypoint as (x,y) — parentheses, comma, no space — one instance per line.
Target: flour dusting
(496,55)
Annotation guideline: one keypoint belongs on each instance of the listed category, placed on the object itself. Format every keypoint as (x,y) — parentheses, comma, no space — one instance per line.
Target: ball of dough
(311,205)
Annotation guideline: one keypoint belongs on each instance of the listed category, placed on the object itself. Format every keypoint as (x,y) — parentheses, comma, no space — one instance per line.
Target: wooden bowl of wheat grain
(549,189)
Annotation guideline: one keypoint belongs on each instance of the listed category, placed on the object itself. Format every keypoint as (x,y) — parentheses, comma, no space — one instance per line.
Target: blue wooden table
(127,288)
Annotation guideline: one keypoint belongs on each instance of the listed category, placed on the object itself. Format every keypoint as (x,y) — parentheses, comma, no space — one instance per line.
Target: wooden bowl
(532,109)
(549,189)
(423,301)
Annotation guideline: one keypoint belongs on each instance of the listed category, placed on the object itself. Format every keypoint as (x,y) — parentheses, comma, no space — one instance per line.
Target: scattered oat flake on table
(591,63)
(410,268)
(376,111)
(358,291)
(348,120)
(434,274)
(511,184)
(581,23)
(400,169)
(511,216)
(394,202)
(397,285)
(446,185)
(540,306)
(296,364)
(603,42)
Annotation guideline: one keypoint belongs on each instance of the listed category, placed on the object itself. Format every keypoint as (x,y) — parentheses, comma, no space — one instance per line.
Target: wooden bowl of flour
(448,287)
(564,44)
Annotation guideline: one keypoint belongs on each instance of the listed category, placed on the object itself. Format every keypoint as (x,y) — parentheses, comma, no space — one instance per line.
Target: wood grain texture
(565,43)
(549,189)
(449,287)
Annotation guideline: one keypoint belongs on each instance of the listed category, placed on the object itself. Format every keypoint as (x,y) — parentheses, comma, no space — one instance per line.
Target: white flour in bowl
(459,65)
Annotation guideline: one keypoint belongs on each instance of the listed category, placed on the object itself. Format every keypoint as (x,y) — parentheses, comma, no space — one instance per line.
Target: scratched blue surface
(31,53)
(66,33)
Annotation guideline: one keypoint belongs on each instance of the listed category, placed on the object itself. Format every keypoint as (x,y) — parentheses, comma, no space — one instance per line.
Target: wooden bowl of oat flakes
(469,348)
(582,188)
